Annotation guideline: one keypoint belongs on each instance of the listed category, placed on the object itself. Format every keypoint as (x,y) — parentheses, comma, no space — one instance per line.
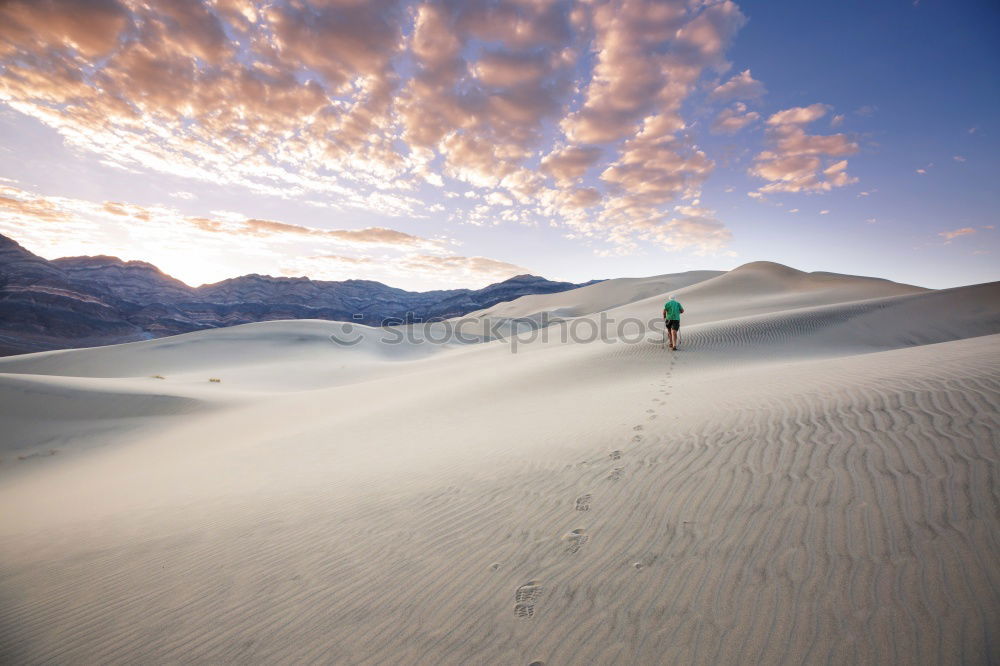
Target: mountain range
(100,300)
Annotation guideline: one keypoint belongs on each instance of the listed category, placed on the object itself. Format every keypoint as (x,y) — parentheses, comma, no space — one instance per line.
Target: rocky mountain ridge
(89,301)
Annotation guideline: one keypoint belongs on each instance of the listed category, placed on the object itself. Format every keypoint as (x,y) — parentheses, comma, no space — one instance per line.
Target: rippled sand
(811,478)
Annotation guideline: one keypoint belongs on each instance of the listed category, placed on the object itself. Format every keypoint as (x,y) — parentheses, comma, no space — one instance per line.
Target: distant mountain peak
(92,300)
(106,260)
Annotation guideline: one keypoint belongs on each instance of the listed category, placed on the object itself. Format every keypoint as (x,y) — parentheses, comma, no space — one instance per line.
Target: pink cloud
(801,162)
(793,140)
(628,82)
(504,69)
(308,99)
(206,249)
(955,233)
(468,265)
(741,86)
(92,28)
(733,119)
(692,228)
(799,115)
(569,163)
(583,197)
(26,206)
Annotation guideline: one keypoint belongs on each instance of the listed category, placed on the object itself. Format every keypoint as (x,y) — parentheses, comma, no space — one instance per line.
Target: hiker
(672,320)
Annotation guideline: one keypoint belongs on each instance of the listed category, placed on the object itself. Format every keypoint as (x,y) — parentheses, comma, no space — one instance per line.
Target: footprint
(583,502)
(650,411)
(637,438)
(637,428)
(616,454)
(574,540)
(524,610)
(528,593)
(616,474)
(525,598)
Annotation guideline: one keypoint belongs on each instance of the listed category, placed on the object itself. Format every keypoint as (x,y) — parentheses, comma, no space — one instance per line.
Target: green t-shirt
(673,309)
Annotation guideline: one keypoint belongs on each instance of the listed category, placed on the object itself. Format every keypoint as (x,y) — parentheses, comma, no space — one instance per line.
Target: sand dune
(812,478)
(594,298)
(765,287)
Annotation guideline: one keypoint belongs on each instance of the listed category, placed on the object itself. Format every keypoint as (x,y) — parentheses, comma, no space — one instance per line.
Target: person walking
(672,320)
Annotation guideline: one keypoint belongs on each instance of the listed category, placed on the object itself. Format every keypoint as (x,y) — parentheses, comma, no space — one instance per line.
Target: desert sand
(811,478)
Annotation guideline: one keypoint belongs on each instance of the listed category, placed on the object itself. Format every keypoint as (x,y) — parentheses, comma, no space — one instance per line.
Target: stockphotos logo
(516,332)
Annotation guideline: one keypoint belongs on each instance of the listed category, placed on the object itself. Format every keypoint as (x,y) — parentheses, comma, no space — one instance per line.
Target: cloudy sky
(454,143)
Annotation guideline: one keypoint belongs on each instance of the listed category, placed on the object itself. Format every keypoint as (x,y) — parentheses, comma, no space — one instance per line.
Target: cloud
(18,204)
(202,249)
(569,163)
(478,266)
(342,259)
(733,119)
(824,212)
(634,73)
(583,197)
(958,158)
(686,227)
(88,27)
(799,162)
(955,233)
(793,140)
(799,115)
(741,86)
(654,170)
(362,104)
(367,236)
(693,228)
(412,270)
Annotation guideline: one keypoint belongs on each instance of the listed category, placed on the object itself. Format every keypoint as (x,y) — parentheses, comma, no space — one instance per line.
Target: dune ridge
(799,484)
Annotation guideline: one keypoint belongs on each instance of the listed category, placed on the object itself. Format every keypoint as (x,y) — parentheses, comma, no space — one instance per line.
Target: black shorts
(673,324)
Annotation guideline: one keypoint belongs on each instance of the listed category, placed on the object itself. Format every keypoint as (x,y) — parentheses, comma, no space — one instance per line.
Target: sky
(457,143)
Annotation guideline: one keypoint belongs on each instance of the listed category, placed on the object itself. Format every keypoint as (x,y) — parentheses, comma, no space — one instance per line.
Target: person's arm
(681,307)
(664,313)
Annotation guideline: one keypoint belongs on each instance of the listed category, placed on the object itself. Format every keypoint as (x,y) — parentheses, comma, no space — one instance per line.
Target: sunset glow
(444,144)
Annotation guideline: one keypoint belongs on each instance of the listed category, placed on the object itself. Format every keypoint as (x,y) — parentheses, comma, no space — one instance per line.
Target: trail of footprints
(527,595)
